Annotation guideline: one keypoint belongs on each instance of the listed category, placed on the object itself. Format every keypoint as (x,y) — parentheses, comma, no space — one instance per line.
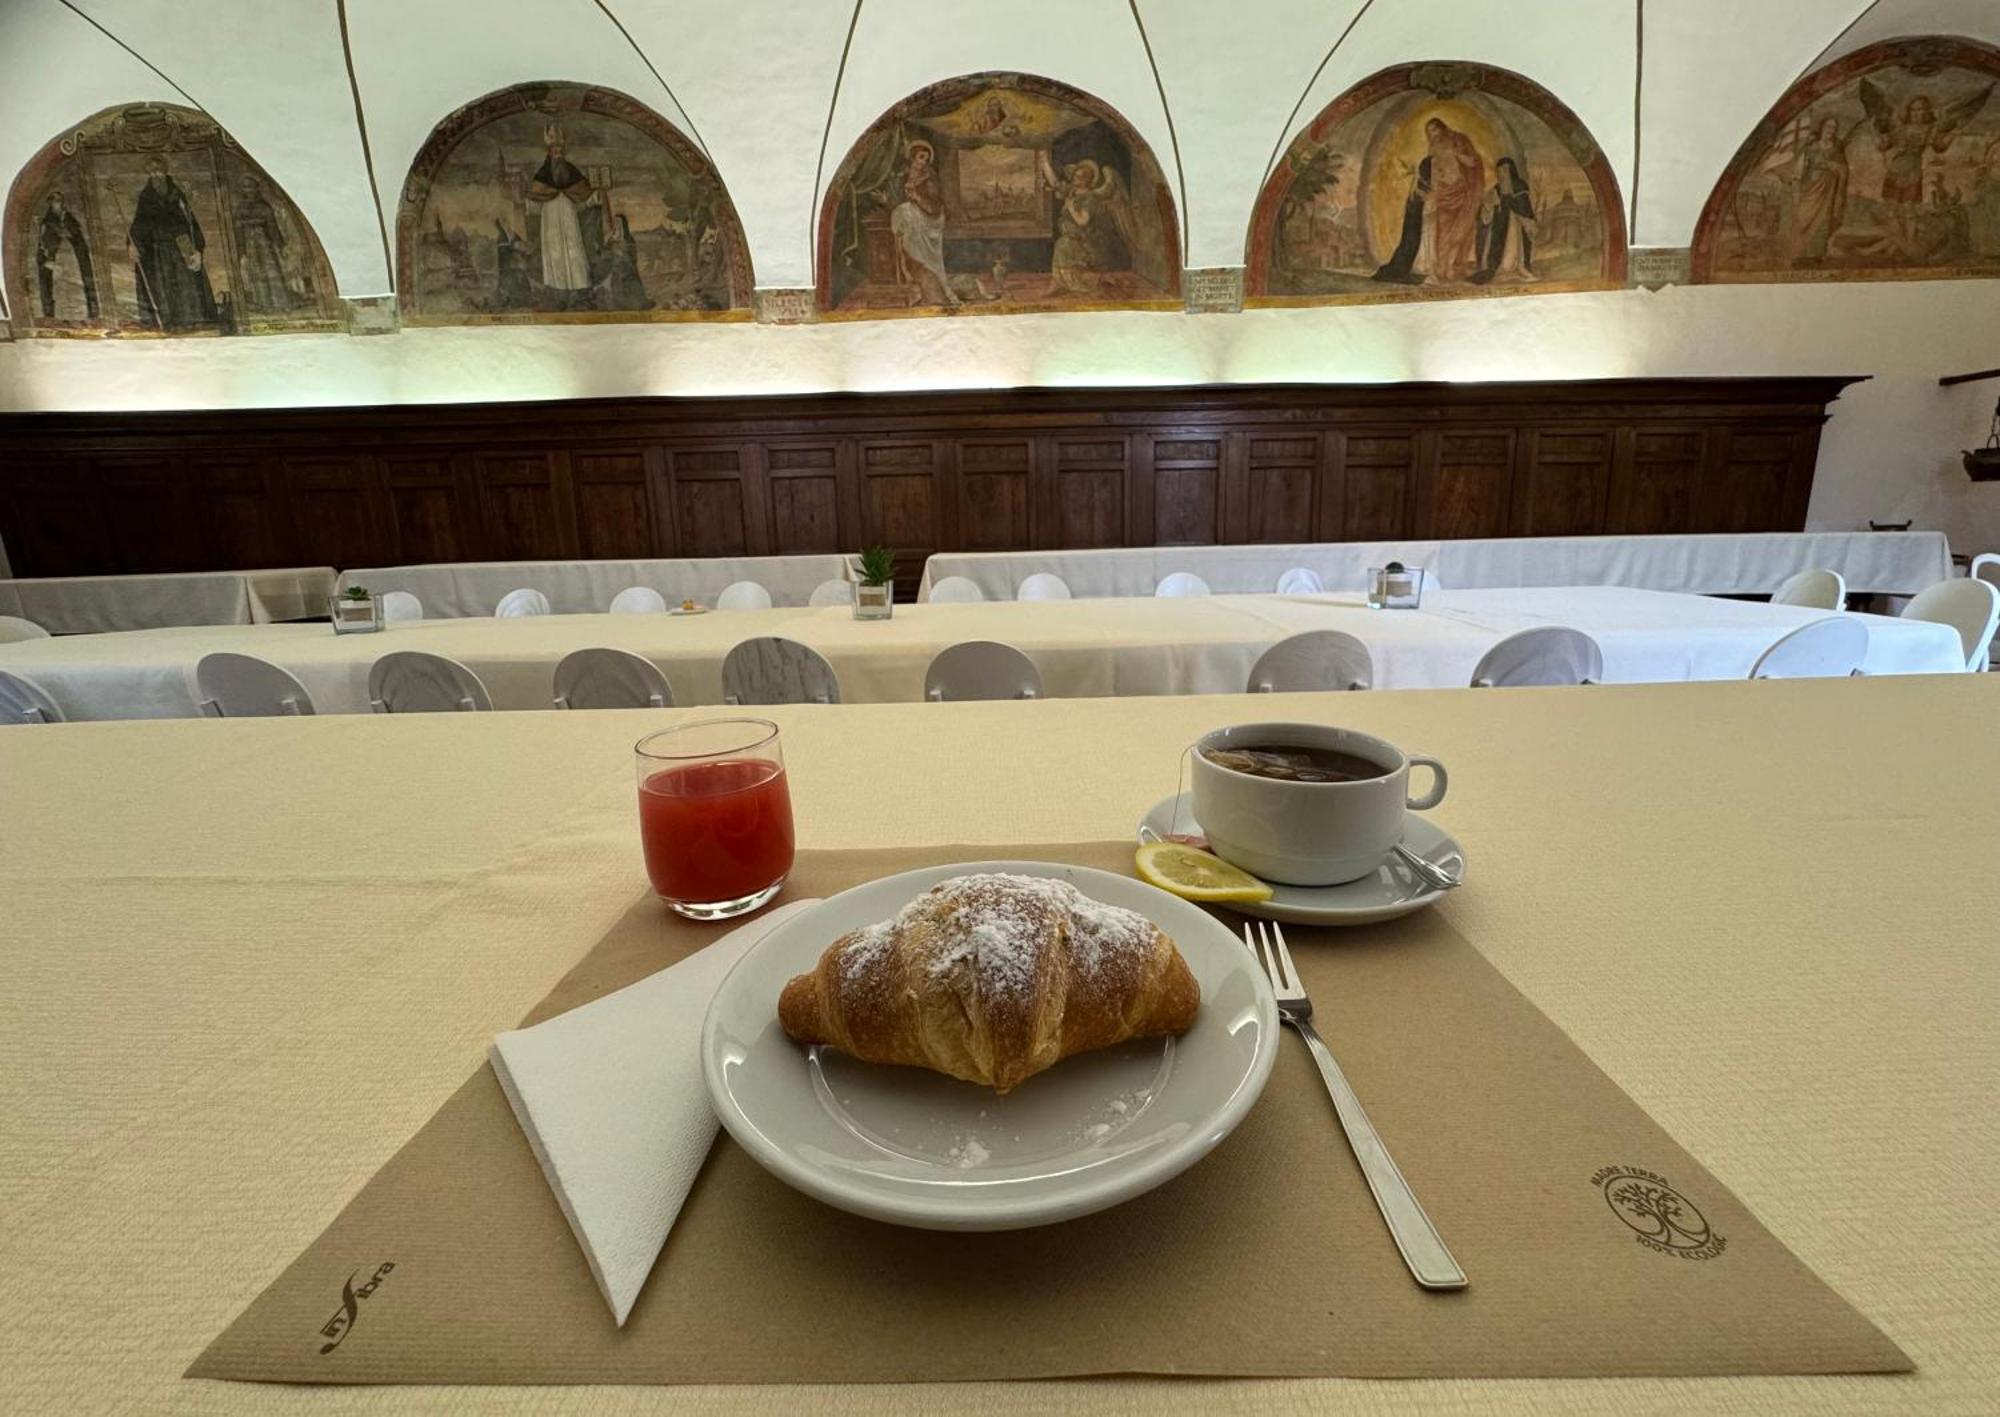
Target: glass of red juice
(715,815)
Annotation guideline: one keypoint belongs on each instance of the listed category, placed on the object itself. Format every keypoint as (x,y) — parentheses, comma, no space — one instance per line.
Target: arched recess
(148,220)
(565,203)
(998,193)
(1359,208)
(1884,165)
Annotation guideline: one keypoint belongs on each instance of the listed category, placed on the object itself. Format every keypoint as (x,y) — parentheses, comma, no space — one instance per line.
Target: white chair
(833,592)
(1970,607)
(1182,583)
(1833,648)
(773,670)
(982,669)
(1815,590)
(956,589)
(743,595)
(401,605)
(1301,580)
(244,686)
(25,701)
(610,679)
(411,681)
(1315,659)
(1986,567)
(13,629)
(638,600)
(1547,654)
(1042,585)
(525,601)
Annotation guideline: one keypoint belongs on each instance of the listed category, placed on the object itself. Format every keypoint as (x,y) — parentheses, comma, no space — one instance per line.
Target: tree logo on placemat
(1658,1215)
(342,1323)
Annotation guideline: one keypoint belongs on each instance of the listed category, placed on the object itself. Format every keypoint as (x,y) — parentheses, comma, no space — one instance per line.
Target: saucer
(688,610)
(1392,889)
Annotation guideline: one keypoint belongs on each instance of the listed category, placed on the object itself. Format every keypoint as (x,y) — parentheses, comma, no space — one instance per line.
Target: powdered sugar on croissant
(992,978)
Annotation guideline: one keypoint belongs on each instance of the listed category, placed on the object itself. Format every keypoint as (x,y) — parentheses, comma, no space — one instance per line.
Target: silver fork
(1422,1247)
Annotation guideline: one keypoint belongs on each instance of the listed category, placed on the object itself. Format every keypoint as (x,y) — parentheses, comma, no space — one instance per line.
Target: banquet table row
(212,1038)
(472,588)
(1118,647)
(78,605)
(1732,563)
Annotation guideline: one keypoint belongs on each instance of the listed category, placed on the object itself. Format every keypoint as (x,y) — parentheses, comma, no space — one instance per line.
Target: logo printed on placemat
(341,1324)
(1660,1217)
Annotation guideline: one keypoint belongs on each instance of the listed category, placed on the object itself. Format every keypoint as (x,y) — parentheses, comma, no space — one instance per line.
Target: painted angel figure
(1094,227)
(1904,139)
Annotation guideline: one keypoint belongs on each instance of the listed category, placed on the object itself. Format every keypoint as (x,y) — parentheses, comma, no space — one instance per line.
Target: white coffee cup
(1307,833)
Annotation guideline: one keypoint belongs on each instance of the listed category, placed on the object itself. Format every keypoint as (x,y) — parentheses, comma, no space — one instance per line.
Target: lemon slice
(1196,875)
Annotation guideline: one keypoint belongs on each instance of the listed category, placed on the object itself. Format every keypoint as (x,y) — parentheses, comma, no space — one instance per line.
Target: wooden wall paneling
(1471,483)
(1330,496)
(811,506)
(1655,478)
(1282,478)
(903,494)
(1187,488)
(55,523)
(525,511)
(431,517)
(146,511)
(1743,483)
(241,511)
(1095,487)
(1380,472)
(1799,481)
(711,489)
(996,490)
(339,516)
(613,503)
(1565,484)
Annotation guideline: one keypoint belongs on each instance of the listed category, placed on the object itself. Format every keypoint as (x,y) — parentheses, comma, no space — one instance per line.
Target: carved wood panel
(805,483)
(334,508)
(1471,484)
(1283,472)
(1089,480)
(429,520)
(996,492)
(1743,487)
(241,512)
(613,515)
(152,529)
(1187,491)
(55,520)
(1374,487)
(1654,485)
(707,501)
(1566,483)
(520,506)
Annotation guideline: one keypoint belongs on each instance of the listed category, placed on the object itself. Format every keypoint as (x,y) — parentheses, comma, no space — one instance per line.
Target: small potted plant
(355,611)
(875,596)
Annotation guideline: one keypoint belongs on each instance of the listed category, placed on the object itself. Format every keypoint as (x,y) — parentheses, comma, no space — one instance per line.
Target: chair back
(833,592)
(1316,659)
(1301,580)
(638,600)
(959,589)
(774,670)
(1970,607)
(1832,648)
(1547,654)
(525,601)
(401,605)
(1815,590)
(25,701)
(743,595)
(412,681)
(1182,583)
(244,686)
(609,679)
(13,629)
(1043,585)
(982,669)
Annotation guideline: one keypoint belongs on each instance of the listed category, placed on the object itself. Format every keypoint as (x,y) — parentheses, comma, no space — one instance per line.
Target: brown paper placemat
(455,1265)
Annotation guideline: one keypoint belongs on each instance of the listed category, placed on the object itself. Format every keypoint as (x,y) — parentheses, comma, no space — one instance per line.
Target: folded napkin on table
(611,1097)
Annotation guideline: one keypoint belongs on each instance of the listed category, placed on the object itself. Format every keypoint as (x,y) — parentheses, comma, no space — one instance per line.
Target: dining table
(247,960)
(1081,648)
(77,605)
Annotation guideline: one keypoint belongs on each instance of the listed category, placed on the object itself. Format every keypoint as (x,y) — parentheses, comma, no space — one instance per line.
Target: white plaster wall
(1893,19)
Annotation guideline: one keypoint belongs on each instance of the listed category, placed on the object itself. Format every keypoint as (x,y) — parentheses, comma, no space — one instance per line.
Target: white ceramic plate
(1393,889)
(914,1147)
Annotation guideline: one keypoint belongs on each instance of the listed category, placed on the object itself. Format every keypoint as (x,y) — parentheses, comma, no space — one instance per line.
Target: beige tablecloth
(579,587)
(245,961)
(65,605)
(1122,647)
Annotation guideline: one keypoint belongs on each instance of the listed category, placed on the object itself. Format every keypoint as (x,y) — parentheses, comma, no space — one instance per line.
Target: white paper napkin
(611,1098)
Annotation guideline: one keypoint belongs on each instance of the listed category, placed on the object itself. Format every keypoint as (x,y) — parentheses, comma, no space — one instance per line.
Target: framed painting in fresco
(1437,181)
(560,203)
(997,193)
(150,221)
(1882,166)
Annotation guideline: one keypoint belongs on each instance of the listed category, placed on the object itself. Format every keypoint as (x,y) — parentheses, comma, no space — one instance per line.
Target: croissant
(991,979)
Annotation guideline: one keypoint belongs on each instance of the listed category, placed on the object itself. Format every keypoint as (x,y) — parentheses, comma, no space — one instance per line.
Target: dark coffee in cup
(1286,762)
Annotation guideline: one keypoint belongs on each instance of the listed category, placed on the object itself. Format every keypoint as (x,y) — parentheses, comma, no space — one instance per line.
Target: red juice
(716,831)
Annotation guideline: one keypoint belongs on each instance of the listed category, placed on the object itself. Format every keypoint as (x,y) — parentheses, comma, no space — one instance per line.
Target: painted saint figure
(917,221)
(1507,228)
(1821,204)
(1441,214)
(60,229)
(169,249)
(560,188)
(1904,141)
(510,258)
(260,245)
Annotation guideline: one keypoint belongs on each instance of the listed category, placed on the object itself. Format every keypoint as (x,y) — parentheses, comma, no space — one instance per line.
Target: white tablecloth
(1755,563)
(1084,648)
(66,605)
(466,588)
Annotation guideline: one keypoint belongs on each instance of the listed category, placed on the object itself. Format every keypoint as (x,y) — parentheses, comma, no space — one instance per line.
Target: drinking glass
(715,815)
